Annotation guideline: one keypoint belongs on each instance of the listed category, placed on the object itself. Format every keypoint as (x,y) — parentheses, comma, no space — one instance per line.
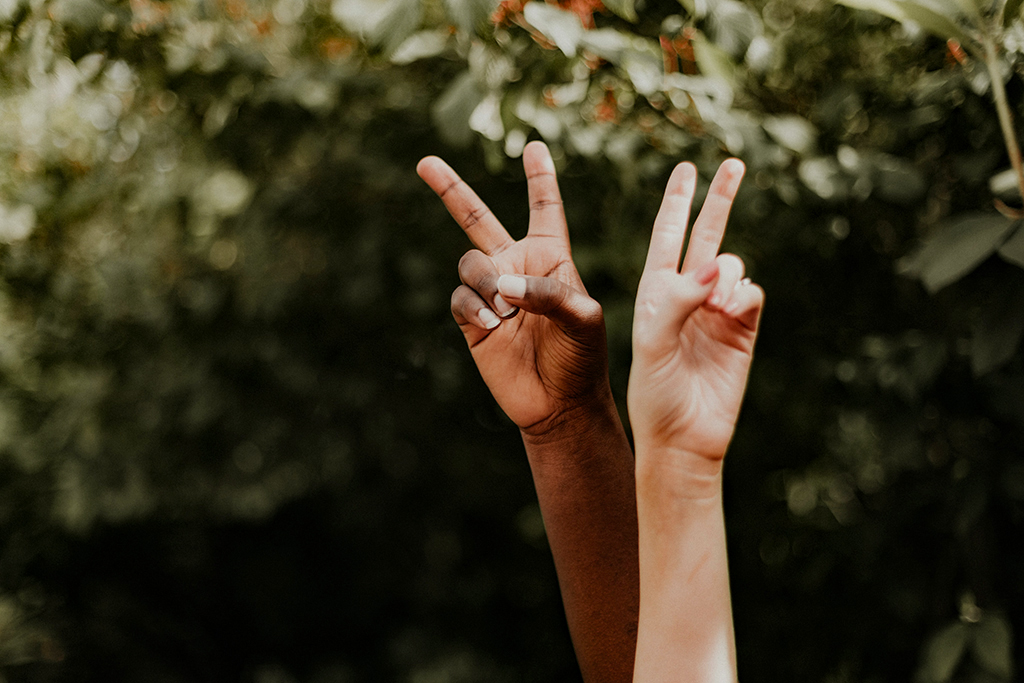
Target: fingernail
(511,286)
(503,308)
(488,318)
(715,299)
(743,283)
(732,308)
(706,274)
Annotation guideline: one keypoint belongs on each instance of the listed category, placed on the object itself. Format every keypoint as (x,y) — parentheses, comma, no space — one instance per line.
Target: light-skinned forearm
(583,470)
(686,631)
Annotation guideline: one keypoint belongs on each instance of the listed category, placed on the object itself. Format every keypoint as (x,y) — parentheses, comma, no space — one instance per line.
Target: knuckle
(548,293)
(544,203)
(591,312)
(467,259)
(474,217)
(451,186)
(465,302)
(477,270)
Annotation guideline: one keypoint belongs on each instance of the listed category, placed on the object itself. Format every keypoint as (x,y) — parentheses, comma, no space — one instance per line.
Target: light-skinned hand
(693,330)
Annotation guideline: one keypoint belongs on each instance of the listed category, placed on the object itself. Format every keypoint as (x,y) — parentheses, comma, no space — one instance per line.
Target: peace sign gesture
(694,326)
(549,358)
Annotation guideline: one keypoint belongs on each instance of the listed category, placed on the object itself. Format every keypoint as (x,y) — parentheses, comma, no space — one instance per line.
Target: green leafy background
(241,439)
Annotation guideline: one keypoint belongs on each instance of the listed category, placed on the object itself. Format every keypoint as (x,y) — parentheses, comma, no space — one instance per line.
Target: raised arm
(693,339)
(538,340)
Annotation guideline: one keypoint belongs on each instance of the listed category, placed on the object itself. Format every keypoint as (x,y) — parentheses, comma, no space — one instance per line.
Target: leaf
(929,19)
(486,118)
(887,8)
(793,132)
(824,177)
(225,193)
(897,180)
(470,14)
(935,23)
(712,60)
(623,8)
(400,23)
(420,45)
(453,109)
(607,43)
(697,9)
(992,646)
(1010,12)
(998,331)
(1004,185)
(1012,249)
(732,25)
(383,24)
(359,16)
(956,248)
(942,654)
(16,223)
(82,14)
(561,27)
(970,8)
(645,71)
(8,8)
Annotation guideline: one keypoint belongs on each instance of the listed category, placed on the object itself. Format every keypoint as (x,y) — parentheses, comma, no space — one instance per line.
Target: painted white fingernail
(732,308)
(715,299)
(488,318)
(502,307)
(742,283)
(512,286)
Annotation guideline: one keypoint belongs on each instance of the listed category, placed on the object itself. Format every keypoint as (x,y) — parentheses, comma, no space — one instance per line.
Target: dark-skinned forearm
(583,470)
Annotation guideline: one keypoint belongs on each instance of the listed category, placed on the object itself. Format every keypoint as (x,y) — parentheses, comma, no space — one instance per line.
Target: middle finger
(708,229)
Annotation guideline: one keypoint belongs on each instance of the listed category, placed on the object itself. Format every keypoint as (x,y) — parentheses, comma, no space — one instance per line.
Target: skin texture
(539,343)
(693,338)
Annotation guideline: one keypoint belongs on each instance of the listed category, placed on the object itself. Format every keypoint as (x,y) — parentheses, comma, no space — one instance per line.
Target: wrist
(676,473)
(590,417)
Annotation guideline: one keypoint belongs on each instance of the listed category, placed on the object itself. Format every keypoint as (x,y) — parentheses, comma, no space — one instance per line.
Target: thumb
(551,298)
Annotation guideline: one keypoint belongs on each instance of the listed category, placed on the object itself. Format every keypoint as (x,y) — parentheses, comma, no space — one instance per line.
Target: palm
(694,393)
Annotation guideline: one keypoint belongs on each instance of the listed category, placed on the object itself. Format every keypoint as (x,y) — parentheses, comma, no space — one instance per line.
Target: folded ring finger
(477,271)
(730,272)
(469,309)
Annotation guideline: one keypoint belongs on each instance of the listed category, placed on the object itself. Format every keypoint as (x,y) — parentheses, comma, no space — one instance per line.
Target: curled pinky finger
(745,304)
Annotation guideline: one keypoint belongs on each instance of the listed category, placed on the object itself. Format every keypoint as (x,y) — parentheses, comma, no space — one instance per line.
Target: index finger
(709,227)
(670,225)
(481,226)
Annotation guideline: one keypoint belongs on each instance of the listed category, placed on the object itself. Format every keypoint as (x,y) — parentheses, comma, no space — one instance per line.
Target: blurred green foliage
(240,438)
